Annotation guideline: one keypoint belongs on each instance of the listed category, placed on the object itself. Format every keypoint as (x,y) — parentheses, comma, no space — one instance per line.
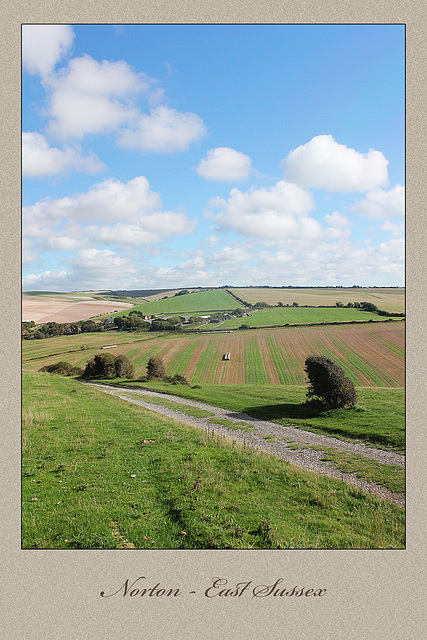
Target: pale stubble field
(66,308)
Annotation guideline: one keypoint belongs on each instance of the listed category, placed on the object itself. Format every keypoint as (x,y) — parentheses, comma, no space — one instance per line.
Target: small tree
(329,383)
(105,365)
(156,368)
(123,367)
(101,365)
(369,306)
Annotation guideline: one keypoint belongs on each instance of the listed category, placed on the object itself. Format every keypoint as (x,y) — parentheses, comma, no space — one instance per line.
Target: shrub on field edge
(106,365)
(329,383)
(156,371)
(177,379)
(155,368)
(62,369)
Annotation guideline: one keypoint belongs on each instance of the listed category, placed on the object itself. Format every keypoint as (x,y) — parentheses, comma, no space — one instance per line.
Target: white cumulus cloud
(337,220)
(224,163)
(163,130)
(107,201)
(39,159)
(382,204)
(43,45)
(89,269)
(46,280)
(90,97)
(323,163)
(126,214)
(151,228)
(275,213)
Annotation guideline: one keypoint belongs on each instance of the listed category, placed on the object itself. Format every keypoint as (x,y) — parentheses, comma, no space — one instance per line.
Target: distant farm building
(226,356)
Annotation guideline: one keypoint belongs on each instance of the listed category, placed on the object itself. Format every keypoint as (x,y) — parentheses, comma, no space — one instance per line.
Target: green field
(294,315)
(199,301)
(99,474)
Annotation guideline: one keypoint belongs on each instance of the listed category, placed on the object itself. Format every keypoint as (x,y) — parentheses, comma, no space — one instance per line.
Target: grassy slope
(186,304)
(111,475)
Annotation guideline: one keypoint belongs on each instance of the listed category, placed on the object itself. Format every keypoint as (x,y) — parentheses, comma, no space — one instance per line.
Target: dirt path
(301,448)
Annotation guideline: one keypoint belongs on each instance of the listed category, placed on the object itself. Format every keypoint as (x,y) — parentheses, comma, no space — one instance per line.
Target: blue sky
(160,156)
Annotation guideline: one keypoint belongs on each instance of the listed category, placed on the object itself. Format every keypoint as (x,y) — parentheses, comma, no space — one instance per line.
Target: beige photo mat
(369,594)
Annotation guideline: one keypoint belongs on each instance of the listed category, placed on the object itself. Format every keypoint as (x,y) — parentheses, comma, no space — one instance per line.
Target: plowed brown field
(372,354)
(66,309)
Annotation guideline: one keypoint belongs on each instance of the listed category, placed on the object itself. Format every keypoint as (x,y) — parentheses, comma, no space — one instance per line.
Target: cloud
(127,214)
(39,159)
(317,263)
(90,269)
(394,247)
(68,237)
(29,252)
(337,220)
(102,266)
(90,97)
(225,164)
(231,255)
(107,201)
(322,163)
(152,228)
(335,260)
(338,226)
(163,130)
(396,229)
(382,204)
(275,213)
(48,280)
(44,45)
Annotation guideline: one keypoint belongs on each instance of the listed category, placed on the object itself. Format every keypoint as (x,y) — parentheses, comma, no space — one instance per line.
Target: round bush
(329,383)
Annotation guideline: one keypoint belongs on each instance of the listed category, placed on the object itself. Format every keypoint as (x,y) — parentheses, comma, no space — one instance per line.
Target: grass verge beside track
(378,419)
(99,473)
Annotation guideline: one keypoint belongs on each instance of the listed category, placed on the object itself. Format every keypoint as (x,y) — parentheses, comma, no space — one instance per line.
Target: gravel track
(269,437)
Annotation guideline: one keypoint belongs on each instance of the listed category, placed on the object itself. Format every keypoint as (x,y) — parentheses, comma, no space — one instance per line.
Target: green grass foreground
(99,473)
(378,419)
